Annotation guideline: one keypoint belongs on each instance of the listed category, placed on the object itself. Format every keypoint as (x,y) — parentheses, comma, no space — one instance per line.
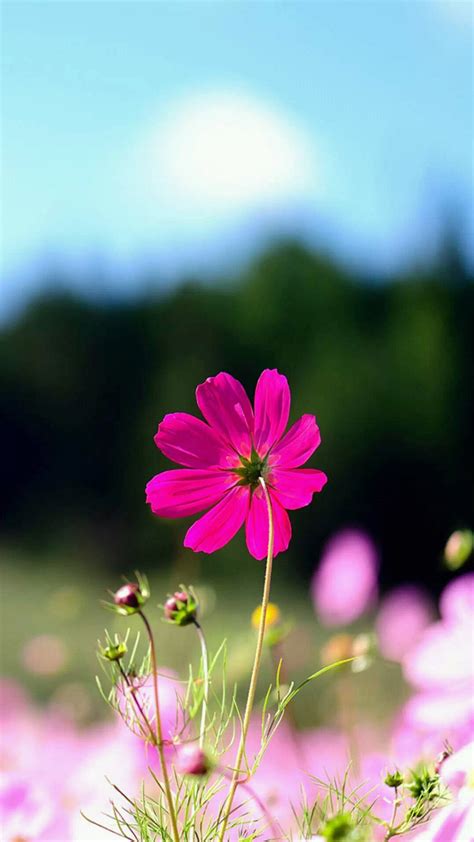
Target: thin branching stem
(256,664)
(134,695)
(159,731)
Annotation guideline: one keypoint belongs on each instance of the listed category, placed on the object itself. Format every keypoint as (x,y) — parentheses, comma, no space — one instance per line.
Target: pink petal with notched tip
(224,403)
(295,488)
(300,442)
(272,409)
(189,441)
(186,491)
(218,526)
(257,526)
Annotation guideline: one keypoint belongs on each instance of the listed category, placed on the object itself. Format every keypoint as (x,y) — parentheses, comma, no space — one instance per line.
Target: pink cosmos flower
(344,585)
(224,459)
(23,806)
(441,666)
(404,614)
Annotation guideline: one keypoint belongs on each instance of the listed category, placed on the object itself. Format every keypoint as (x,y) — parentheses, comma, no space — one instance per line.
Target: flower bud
(424,785)
(192,760)
(128,595)
(114,651)
(170,608)
(442,756)
(180,608)
(394,779)
(338,828)
(458,548)
(132,596)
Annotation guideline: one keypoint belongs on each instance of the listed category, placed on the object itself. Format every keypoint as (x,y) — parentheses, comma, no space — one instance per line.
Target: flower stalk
(391,826)
(256,664)
(159,732)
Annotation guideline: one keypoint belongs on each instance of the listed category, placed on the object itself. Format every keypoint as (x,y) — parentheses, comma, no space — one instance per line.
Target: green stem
(391,829)
(159,732)
(205,669)
(256,664)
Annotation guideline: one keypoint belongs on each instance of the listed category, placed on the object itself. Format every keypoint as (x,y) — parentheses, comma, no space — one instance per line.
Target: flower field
(332,714)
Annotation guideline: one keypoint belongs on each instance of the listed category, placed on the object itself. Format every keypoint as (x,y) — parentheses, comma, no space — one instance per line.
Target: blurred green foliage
(386,367)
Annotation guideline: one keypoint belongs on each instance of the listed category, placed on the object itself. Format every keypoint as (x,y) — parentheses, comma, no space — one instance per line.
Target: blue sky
(180,132)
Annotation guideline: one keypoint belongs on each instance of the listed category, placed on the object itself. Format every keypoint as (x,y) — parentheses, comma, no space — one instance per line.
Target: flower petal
(225,405)
(257,526)
(295,488)
(296,447)
(185,492)
(189,441)
(272,409)
(218,526)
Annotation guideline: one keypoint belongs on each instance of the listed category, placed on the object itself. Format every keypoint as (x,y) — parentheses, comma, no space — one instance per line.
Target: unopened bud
(132,596)
(180,608)
(458,548)
(442,756)
(192,760)
(394,779)
(114,652)
(338,828)
(423,784)
(128,595)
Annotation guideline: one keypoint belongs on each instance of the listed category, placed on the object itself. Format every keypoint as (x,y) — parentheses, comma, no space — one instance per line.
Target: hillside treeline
(386,367)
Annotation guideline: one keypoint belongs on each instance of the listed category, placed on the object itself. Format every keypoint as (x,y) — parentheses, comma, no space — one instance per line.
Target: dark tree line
(386,367)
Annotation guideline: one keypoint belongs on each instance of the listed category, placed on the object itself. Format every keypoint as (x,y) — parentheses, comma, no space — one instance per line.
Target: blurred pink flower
(457,600)
(404,613)
(344,585)
(441,666)
(45,654)
(51,771)
(24,806)
(224,459)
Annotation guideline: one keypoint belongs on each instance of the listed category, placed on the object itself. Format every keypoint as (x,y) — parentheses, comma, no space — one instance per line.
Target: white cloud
(225,151)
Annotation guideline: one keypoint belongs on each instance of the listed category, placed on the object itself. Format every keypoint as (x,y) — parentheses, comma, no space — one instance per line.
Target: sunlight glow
(226,151)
